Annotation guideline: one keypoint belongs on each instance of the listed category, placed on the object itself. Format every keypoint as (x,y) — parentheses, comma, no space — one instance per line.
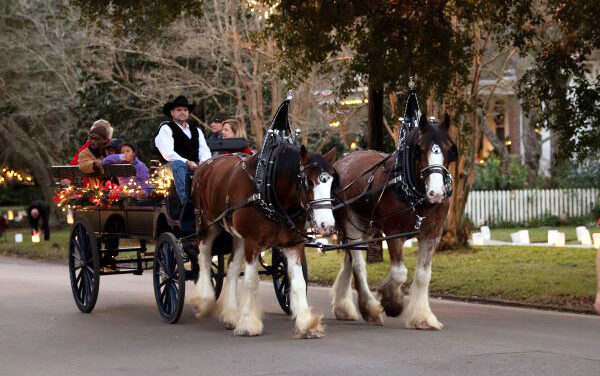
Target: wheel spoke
(162,295)
(88,287)
(173,297)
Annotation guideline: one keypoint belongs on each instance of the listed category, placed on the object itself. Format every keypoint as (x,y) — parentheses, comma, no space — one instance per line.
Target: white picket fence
(488,207)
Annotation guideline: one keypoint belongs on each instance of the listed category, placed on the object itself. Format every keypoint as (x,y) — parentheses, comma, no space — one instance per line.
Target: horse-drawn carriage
(269,199)
(98,231)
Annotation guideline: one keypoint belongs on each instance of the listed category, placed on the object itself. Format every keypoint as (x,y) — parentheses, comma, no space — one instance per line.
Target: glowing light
(508,142)
(334,124)
(10,176)
(70,219)
(10,215)
(35,237)
(354,145)
(350,102)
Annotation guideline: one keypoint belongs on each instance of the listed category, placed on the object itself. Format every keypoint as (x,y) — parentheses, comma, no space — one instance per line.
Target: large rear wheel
(84,266)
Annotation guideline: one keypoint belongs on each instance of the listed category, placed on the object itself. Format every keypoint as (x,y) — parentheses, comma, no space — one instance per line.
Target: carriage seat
(110,171)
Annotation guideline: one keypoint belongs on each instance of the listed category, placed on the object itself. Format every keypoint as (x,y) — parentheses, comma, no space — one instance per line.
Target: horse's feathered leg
(390,291)
(342,303)
(308,325)
(250,321)
(418,314)
(227,305)
(203,296)
(369,307)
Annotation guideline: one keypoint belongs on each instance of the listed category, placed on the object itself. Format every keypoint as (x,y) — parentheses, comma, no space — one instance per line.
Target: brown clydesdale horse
(303,182)
(390,213)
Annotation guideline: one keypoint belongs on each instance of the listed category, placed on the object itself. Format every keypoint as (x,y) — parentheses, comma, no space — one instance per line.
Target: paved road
(42,333)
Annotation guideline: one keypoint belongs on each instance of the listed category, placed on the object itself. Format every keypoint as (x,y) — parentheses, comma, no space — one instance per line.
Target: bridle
(438,169)
(315,204)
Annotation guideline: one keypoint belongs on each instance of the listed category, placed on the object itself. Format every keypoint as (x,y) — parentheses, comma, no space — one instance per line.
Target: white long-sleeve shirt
(166,145)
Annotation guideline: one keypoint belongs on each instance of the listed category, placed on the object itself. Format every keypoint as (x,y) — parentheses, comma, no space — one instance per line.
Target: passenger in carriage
(181,144)
(234,128)
(90,158)
(128,156)
(113,147)
(97,123)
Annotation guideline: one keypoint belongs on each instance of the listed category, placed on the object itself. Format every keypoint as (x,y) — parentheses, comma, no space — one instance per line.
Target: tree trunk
(376,130)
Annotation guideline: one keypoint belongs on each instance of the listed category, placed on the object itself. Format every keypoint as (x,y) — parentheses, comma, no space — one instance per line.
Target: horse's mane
(288,161)
(435,135)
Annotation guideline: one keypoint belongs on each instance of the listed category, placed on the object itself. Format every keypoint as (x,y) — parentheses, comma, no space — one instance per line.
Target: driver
(181,144)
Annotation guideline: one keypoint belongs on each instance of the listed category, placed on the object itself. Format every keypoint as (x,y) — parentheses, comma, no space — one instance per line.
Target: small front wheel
(169,277)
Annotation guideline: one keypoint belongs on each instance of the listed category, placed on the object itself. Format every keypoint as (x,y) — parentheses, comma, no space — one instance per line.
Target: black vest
(184,146)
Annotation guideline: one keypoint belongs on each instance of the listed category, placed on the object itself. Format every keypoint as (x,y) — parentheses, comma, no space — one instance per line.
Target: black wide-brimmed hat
(180,101)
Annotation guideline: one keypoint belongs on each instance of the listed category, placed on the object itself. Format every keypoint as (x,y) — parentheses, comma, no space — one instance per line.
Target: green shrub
(492,175)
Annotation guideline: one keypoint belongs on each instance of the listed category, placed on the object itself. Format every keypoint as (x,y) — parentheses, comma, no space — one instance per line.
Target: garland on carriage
(110,194)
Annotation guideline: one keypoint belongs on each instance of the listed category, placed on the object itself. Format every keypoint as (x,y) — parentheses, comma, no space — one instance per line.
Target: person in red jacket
(101,122)
(234,128)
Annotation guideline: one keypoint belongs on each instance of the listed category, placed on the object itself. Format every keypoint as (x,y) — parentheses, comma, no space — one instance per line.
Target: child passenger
(128,156)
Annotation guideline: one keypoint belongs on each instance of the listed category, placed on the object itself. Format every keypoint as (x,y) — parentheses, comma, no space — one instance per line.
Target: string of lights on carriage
(160,182)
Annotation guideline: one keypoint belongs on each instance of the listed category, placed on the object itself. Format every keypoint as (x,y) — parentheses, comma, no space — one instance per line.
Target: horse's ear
(331,155)
(303,155)
(446,123)
(424,124)
(453,153)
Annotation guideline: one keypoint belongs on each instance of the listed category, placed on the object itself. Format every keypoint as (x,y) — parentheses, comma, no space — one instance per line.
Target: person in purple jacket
(128,156)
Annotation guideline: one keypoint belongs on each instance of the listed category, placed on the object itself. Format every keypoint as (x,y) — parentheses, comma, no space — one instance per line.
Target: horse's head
(320,180)
(434,152)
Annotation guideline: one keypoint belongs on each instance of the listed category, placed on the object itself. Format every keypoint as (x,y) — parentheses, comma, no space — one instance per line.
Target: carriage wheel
(281,280)
(84,266)
(218,273)
(169,277)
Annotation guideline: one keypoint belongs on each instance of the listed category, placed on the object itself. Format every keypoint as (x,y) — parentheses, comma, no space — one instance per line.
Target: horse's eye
(323,177)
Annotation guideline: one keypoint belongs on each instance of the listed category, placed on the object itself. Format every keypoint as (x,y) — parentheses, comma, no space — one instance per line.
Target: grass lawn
(539,234)
(53,249)
(563,277)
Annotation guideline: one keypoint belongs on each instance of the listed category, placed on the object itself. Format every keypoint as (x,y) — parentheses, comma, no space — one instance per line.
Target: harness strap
(372,168)
(235,207)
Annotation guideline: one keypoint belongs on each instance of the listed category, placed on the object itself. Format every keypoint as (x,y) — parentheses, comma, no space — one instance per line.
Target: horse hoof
(424,323)
(345,312)
(248,328)
(372,313)
(392,300)
(315,330)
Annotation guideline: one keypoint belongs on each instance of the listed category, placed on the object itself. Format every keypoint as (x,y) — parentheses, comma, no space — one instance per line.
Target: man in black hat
(181,144)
